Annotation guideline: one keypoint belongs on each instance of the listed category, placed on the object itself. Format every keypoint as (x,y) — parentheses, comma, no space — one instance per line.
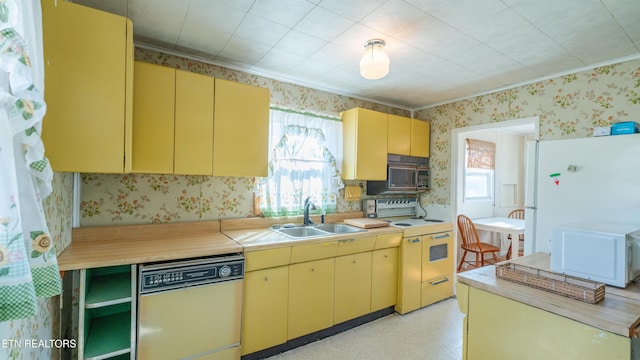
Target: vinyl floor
(430,333)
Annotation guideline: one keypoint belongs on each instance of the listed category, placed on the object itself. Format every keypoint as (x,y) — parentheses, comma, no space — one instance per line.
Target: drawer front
(388,241)
(302,253)
(437,289)
(263,259)
(354,246)
(437,255)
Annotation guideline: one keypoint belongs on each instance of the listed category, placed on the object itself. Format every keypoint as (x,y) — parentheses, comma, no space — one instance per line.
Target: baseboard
(318,335)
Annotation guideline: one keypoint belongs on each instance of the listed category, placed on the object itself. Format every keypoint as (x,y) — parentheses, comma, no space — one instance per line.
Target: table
(505,225)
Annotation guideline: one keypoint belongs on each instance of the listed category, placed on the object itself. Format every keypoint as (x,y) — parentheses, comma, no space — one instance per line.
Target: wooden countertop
(618,313)
(99,246)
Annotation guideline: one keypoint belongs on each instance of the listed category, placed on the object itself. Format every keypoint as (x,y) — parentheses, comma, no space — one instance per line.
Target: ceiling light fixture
(375,62)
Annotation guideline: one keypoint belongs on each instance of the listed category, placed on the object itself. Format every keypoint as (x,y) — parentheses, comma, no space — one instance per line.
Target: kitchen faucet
(308,205)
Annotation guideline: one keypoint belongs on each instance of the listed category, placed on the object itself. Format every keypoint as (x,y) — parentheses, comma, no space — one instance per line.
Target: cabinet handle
(347,240)
(438,282)
(442,236)
(313,269)
(354,261)
(266,278)
(413,241)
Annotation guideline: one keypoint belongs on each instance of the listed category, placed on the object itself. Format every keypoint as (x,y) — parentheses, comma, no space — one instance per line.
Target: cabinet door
(384,278)
(310,297)
(193,124)
(399,135)
(410,275)
(437,257)
(153,114)
(264,310)
(500,328)
(241,130)
(420,138)
(88,82)
(352,287)
(364,145)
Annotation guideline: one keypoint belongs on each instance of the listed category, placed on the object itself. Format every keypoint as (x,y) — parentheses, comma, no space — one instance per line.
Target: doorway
(507,179)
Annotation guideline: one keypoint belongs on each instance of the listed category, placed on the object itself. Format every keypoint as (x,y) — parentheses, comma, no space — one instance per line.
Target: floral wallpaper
(569,106)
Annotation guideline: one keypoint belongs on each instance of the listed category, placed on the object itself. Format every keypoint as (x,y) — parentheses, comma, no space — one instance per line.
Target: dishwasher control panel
(179,274)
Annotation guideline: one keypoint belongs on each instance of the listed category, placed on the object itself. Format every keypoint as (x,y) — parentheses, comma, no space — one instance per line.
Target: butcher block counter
(507,320)
(99,246)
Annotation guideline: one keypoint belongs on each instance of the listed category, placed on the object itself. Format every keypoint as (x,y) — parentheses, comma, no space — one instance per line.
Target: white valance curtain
(28,265)
(305,155)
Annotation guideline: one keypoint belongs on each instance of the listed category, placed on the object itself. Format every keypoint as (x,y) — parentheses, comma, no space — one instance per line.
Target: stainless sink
(338,228)
(317,230)
(299,232)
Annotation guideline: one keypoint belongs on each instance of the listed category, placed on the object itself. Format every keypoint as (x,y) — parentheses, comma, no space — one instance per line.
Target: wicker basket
(565,285)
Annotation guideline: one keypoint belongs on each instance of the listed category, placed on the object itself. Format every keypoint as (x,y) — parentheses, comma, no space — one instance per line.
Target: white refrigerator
(594,179)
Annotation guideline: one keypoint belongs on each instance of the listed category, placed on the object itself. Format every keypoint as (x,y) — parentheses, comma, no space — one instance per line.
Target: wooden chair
(515,214)
(471,243)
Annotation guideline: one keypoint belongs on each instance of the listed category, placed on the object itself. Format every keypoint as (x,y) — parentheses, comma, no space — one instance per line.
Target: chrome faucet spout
(308,205)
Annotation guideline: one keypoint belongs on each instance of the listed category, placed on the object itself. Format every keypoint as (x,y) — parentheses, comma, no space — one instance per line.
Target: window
(479,170)
(302,163)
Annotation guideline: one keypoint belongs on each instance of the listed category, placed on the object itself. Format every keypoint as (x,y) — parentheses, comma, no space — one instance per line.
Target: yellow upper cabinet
(420,138)
(408,136)
(153,113)
(399,135)
(193,124)
(364,135)
(241,129)
(88,88)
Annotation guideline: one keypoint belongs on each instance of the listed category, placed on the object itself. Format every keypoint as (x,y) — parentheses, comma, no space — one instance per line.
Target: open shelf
(109,290)
(109,336)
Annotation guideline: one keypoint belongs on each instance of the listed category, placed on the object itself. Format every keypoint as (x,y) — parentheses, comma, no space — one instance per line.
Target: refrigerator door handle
(531,174)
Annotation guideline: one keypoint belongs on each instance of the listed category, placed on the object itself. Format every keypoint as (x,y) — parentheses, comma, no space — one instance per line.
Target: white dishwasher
(190,309)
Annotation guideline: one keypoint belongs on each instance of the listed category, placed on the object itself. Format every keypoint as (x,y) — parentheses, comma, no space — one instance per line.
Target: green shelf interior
(108,330)
(106,287)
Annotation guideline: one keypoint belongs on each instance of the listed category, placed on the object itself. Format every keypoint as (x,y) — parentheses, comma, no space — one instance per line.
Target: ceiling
(440,50)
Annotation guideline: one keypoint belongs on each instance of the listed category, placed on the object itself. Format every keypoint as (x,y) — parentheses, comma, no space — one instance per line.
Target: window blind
(481,154)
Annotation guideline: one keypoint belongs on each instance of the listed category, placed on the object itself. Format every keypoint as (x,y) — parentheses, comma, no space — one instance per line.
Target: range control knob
(225,271)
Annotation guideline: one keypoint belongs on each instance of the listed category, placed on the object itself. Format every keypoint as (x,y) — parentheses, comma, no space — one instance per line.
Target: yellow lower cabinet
(264,310)
(310,297)
(500,328)
(352,287)
(436,289)
(354,246)
(388,240)
(462,294)
(409,275)
(384,278)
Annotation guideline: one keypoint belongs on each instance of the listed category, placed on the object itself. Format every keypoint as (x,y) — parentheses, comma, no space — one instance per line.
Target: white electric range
(399,212)
(426,254)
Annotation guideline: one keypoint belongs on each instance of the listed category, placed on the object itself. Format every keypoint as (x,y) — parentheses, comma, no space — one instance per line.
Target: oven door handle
(442,236)
(441,281)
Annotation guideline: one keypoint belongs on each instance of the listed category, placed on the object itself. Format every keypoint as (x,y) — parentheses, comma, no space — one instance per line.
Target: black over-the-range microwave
(405,174)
